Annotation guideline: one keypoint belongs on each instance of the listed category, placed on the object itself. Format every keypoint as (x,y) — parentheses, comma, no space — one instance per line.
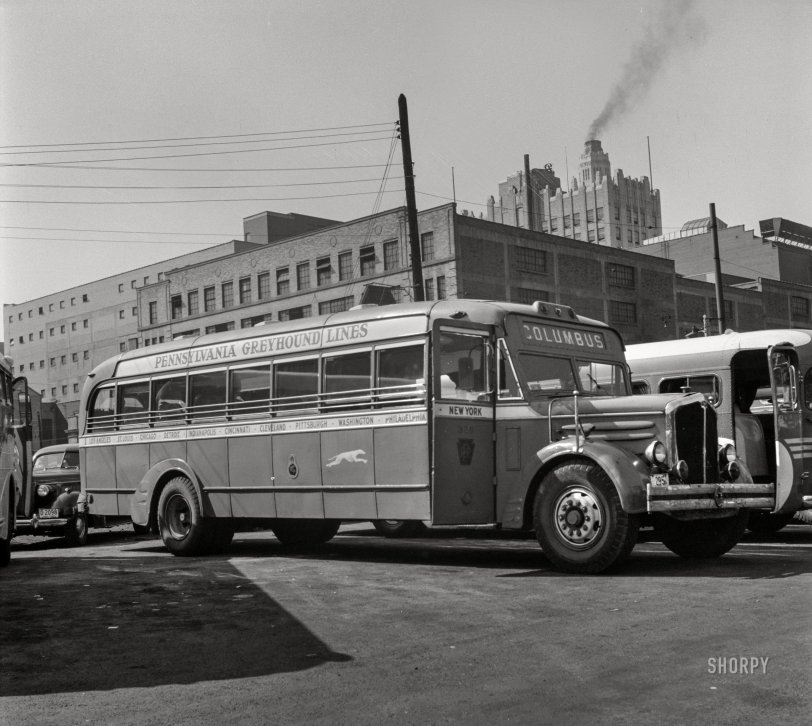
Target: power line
(111,231)
(193,138)
(177,187)
(181,146)
(68,165)
(198,201)
(203,153)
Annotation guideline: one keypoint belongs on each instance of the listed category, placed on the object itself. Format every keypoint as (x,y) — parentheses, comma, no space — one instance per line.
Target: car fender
(144,500)
(67,502)
(628,473)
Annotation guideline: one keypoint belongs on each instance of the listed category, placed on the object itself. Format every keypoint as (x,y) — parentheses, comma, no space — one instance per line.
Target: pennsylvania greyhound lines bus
(447,413)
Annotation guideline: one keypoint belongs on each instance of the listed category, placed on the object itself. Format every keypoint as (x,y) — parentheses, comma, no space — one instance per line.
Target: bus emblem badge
(465,451)
(293,468)
(351,457)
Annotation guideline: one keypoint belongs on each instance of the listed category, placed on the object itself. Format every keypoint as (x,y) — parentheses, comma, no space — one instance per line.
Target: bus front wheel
(701,538)
(394,528)
(181,524)
(305,532)
(579,521)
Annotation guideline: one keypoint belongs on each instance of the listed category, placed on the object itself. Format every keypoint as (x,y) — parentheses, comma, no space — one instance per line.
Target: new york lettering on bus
(563,336)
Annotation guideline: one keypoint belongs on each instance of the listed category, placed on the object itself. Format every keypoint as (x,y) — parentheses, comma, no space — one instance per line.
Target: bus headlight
(656,453)
(727,455)
(681,470)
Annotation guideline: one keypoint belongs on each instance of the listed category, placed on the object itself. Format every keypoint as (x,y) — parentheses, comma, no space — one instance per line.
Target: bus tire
(579,521)
(701,538)
(305,532)
(76,531)
(394,528)
(767,523)
(183,529)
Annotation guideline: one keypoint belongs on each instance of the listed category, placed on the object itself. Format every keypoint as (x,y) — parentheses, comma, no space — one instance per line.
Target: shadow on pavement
(143,621)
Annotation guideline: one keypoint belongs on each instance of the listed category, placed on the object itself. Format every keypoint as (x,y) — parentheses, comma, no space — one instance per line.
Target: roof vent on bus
(559,311)
(457,314)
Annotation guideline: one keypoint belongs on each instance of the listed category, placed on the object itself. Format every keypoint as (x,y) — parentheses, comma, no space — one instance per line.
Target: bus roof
(416,318)
(715,350)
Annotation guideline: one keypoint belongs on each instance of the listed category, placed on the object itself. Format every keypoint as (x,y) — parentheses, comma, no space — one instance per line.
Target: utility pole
(411,204)
(720,302)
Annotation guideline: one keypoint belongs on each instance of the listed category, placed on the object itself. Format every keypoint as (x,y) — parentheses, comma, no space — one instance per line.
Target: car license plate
(48,513)
(659,480)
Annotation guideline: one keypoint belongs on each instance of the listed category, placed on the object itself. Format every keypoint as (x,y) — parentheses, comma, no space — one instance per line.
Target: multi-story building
(297,271)
(614,211)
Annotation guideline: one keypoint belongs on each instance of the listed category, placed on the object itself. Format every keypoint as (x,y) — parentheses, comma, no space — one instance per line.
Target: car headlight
(43,490)
(681,470)
(656,453)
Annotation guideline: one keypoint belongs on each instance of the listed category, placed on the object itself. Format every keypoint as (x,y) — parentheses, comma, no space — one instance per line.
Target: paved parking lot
(474,627)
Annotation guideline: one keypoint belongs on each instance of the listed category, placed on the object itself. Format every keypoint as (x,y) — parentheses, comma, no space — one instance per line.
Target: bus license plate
(659,480)
(48,513)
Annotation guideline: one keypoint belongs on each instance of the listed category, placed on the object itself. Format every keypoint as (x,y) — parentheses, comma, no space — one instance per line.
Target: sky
(131,132)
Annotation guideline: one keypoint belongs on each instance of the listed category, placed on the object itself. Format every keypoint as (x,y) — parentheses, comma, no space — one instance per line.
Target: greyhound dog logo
(351,457)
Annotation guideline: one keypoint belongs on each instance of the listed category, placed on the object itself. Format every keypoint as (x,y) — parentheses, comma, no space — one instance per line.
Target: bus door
(22,442)
(792,456)
(463,490)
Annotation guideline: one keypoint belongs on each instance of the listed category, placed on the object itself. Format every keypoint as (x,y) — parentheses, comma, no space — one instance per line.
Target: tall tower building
(616,211)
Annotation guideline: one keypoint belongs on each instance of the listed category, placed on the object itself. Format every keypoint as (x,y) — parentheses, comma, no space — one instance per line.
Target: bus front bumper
(724,495)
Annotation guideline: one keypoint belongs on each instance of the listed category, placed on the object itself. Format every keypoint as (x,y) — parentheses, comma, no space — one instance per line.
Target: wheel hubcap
(178,517)
(578,517)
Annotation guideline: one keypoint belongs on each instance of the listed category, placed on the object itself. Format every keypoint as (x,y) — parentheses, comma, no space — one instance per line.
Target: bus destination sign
(547,335)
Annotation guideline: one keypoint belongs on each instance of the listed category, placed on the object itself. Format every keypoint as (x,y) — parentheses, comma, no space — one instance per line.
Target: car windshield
(548,375)
(57,460)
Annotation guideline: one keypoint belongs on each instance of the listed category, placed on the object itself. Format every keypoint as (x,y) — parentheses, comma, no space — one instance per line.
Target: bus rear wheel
(579,521)
(5,542)
(701,538)
(184,530)
(76,531)
(767,523)
(305,532)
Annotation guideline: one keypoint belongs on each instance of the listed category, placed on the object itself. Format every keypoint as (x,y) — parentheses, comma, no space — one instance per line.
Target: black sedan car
(56,485)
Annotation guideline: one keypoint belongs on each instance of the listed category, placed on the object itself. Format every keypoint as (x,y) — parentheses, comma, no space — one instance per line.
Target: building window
(529,295)
(576,219)
(295,313)
(622,312)
(282,281)
(63,359)
(367,258)
(132,344)
(208,299)
(85,323)
(74,357)
(428,286)
(62,330)
(441,287)
(176,303)
(121,315)
(85,298)
(621,275)
(153,312)
(42,364)
(52,362)
(567,221)
(264,285)
(730,312)
(530,260)
(427,246)
(122,347)
(121,287)
(227,294)
(51,331)
(192,303)
(799,307)
(132,284)
(324,272)
(30,337)
(590,235)
(219,328)
(601,233)
(256,320)
(41,334)
(53,392)
(617,213)
(554,225)
(345,266)
(335,306)
(86,355)
(600,214)
(391,258)
(303,276)
(245,290)
(73,326)
(76,388)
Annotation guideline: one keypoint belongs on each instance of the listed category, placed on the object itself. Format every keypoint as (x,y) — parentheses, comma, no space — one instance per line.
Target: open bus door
(792,457)
(463,489)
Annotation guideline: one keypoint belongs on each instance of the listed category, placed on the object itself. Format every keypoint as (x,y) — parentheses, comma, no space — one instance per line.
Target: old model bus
(760,384)
(15,452)
(448,413)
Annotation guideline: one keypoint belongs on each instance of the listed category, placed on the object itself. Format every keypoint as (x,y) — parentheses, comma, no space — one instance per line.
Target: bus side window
(296,386)
(250,390)
(169,401)
(347,381)
(640,387)
(708,385)
(508,384)
(102,411)
(808,389)
(207,393)
(132,406)
(401,378)
(463,366)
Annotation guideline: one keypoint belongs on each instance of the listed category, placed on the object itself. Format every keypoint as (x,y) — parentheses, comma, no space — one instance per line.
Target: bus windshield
(549,375)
